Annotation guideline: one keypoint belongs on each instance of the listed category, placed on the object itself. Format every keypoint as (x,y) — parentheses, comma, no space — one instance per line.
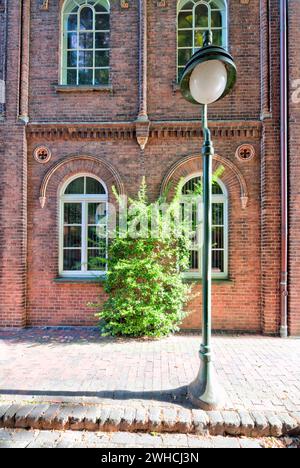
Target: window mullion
(107,238)
(94,44)
(226,236)
(84,237)
(61,237)
(193,35)
(77,48)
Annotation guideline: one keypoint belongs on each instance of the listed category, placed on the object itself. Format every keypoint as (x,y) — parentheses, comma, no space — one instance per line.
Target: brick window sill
(198,280)
(101,279)
(79,279)
(83,89)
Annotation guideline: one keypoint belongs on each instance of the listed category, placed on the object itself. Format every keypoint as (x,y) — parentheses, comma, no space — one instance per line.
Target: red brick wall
(47,105)
(236,303)
(243,39)
(50,302)
(270,167)
(13,188)
(250,301)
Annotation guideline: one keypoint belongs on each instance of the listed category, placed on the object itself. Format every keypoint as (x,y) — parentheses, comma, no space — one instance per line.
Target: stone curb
(152,419)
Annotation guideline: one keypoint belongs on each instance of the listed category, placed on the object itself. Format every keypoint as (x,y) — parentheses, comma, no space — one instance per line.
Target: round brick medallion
(42,154)
(245,152)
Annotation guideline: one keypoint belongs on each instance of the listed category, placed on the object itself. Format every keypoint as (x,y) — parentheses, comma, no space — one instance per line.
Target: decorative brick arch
(76,164)
(191,164)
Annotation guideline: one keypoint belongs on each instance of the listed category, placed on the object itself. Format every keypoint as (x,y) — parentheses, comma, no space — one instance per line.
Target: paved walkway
(58,439)
(62,365)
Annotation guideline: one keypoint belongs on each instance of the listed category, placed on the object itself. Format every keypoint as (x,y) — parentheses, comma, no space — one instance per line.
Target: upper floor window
(195,17)
(83,227)
(193,185)
(85,42)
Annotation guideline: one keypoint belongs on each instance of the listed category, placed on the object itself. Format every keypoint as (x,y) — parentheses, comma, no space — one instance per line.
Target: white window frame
(64,39)
(84,200)
(216,198)
(224,12)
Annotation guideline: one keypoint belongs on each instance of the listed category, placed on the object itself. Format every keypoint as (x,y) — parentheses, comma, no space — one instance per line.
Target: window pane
(218,214)
(218,237)
(72,59)
(195,186)
(72,213)
(216,19)
(72,40)
(85,77)
(184,56)
(185,20)
(101,58)
(71,77)
(188,6)
(97,260)
(217,37)
(94,187)
(192,186)
(75,187)
(100,8)
(75,9)
(180,72)
(101,77)
(96,235)
(216,189)
(72,236)
(201,16)
(102,40)
(86,40)
(72,23)
(214,6)
(102,22)
(72,260)
(198,38)
(218,261)
(97,213)
(85,59)
(86,19)
(185,38)
(194,260)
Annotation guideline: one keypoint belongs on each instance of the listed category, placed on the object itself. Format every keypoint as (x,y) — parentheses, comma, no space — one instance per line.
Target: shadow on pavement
(177,395)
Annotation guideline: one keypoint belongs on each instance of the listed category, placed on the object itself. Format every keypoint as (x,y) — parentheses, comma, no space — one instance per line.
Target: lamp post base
(206,392)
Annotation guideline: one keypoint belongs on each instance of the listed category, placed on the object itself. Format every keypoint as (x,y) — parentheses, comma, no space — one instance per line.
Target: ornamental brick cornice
(219,129)
(81,131)
(241,130)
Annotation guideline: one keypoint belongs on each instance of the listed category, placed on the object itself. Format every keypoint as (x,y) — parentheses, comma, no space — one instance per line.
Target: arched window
(85,42)
(83,227)
(193,185)
(195,17)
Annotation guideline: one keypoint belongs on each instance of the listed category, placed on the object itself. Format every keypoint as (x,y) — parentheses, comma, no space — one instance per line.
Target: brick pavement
(59,439)
(76,365)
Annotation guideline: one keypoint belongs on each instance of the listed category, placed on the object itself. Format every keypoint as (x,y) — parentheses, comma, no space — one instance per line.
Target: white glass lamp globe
(208,81)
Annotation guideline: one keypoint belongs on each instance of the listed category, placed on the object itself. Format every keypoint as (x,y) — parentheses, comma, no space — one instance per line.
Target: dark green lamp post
(208,77)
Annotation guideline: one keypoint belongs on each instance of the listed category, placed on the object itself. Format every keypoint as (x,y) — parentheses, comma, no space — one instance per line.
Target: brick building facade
(134,123)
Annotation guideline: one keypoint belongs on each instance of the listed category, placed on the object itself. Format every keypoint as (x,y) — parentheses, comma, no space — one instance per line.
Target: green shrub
(144,282)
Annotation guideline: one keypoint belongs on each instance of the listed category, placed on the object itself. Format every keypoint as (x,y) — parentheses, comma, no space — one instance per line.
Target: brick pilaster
(13,186)
(270,168)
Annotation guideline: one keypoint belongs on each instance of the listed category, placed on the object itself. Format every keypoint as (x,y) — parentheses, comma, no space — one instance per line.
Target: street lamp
(208,77)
